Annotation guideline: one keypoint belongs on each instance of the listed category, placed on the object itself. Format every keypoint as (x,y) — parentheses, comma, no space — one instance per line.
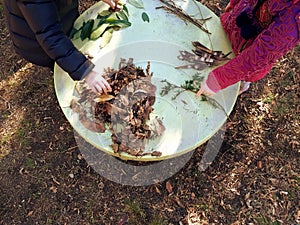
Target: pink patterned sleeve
(257,60)
(234,2)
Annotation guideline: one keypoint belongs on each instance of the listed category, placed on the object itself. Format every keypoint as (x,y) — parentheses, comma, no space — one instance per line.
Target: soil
(44,178)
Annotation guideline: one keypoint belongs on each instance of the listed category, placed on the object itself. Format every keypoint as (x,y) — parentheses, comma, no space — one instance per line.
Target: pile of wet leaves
(125,111)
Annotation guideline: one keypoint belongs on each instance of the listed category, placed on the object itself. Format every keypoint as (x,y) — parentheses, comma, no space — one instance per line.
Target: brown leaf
(75,106)
(157,190)
(156,153)
(123,220)
(177,200)
(259,164)
(95,126)
(104,98)
(297,216)
(30,213)
(169,187)
(53,189)
(100,127)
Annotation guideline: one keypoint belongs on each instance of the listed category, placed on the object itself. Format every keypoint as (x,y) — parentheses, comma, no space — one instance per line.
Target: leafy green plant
(269,98)
(135,208)
(158,221)
(104,22)
(262,220)
(30,163)
(192,85)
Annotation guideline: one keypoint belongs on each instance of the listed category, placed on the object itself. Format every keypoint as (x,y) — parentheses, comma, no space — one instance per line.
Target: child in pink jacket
(260,31)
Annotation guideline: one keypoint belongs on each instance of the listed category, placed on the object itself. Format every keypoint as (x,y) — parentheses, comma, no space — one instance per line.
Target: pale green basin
(189,122)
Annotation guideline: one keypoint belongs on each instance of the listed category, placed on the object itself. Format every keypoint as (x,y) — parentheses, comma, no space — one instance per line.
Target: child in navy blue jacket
(39,31)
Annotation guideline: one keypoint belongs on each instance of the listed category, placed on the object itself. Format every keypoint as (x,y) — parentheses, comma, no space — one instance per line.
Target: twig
(8,105)
(183,15)
(216,104)
(219,55)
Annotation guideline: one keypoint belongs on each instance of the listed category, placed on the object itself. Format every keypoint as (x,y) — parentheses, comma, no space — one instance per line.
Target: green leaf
(125,9)
(122,16)
(106,37)
(76,35)
(73,32)
(119,23)
(97,23)
(136,3)
(86,29)
(112,17)
(98,32)
(145,17)
(104,14)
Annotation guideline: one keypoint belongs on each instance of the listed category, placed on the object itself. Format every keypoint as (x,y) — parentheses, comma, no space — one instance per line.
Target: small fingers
(106,85)
(97,88)
(102,86)
(113,4)
(228,7)
(200,92)
(97,83)
(109,2)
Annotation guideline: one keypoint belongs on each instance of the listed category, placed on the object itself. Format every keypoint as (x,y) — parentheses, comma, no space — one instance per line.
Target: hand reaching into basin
(112,3)
(97,83)
(205,90)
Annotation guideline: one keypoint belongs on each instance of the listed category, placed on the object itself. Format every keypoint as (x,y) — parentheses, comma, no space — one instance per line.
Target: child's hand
(97,83)
(228,7)
(205,90)
(112,3)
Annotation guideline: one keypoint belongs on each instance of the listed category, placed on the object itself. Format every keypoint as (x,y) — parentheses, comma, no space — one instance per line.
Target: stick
(180,13)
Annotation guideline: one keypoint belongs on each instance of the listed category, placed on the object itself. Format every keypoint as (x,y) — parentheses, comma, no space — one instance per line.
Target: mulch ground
(44,179)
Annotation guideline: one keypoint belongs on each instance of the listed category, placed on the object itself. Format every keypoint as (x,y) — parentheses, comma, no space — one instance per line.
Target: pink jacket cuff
(213,83)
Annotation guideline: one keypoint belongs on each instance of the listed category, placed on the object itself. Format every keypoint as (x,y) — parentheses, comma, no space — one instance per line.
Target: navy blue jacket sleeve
(43,19)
